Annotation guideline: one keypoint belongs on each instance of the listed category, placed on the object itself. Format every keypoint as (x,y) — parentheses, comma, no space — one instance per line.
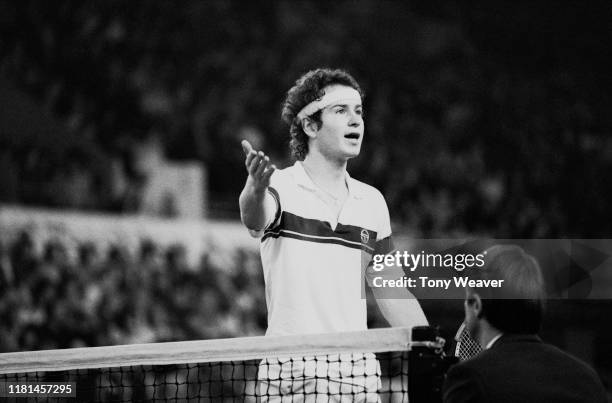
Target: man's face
(341,131)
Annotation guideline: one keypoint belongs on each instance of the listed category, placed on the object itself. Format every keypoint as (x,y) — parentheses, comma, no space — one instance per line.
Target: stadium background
(487,119)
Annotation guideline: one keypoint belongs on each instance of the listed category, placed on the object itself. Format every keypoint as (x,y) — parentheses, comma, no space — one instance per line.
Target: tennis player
(319,228)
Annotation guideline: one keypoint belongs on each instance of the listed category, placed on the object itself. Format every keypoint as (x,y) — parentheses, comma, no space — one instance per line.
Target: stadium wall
(128,231)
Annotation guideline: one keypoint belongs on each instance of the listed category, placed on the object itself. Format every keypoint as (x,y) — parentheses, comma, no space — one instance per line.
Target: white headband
(336,95)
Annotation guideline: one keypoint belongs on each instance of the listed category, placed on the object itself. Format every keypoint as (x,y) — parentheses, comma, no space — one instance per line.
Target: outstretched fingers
(257,163)
(263,164)
(246,147)
(269,172)
(254,162)
(251,155)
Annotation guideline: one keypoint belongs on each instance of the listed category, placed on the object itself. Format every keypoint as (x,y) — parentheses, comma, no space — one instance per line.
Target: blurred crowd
(489,119)
(57,298)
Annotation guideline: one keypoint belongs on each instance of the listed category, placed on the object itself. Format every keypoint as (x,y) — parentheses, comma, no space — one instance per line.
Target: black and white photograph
(306,201)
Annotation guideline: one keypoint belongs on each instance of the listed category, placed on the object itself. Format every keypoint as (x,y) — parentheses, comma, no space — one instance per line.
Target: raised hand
(258,166)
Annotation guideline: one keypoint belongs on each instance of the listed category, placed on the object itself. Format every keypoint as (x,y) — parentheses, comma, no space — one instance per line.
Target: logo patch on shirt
(365,236)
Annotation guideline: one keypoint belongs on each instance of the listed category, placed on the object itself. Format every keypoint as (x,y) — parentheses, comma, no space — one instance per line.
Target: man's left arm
(405,312)
(401,309)
(399,306)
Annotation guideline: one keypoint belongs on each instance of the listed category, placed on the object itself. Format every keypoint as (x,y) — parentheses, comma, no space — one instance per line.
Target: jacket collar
(517,338)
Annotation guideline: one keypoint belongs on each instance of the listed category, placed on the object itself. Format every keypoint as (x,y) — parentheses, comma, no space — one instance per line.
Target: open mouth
(352,136)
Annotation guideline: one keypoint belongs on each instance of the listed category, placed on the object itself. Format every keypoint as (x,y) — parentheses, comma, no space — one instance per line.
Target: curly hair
(307,89)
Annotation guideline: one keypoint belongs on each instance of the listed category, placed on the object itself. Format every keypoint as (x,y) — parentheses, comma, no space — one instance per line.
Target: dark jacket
(521,368)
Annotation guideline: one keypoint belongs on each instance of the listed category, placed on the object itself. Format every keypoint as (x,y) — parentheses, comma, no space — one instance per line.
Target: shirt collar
(493,340)
(302,179)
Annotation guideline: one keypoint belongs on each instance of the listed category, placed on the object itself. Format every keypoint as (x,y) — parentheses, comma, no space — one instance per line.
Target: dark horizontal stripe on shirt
(313,230)
(336,241)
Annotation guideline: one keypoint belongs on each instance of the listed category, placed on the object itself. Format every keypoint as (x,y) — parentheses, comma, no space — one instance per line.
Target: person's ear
(475,304)
(310,127)
(478,306)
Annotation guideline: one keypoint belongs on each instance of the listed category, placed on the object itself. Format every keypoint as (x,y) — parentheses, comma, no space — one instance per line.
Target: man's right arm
(257,206)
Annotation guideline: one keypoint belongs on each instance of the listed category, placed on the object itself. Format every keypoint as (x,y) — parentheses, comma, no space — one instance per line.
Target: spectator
(515,364)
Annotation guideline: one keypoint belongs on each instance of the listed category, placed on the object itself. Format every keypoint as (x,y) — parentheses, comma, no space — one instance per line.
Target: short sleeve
(277,207)
(272,206)
(384,241)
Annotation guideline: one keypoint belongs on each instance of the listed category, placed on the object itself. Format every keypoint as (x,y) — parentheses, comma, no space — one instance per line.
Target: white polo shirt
(312,264)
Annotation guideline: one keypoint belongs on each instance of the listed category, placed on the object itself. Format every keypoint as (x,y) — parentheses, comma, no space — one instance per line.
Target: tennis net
(354,366)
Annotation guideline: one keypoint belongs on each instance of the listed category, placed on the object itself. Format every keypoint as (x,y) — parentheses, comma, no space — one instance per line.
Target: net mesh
(334,376)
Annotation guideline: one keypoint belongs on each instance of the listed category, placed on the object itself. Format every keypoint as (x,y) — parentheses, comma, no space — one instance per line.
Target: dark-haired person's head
(309,88)
(517,306)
